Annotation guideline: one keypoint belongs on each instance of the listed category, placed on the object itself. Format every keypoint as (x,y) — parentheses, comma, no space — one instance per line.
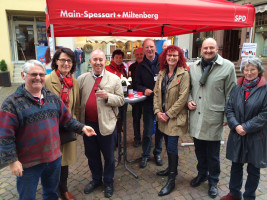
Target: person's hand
(148,92)
(101,94)
(192,105)
(89,131)
(165,117)
(160,116)
(225,123)
(239,129)
(16,168)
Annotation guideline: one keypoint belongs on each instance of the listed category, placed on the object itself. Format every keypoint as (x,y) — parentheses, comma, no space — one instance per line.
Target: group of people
(204,98)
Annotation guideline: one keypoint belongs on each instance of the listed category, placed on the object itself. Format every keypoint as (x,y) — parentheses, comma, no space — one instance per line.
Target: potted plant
(4,74)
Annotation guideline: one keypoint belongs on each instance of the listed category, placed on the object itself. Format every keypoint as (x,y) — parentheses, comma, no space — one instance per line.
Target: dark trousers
(93,147)
(63,179)
(148,120)
(208,156)
(137,113)
(171,142)
(236,180)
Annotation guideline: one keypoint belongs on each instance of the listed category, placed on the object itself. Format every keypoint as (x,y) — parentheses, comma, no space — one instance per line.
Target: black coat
(144,78)
(252,116)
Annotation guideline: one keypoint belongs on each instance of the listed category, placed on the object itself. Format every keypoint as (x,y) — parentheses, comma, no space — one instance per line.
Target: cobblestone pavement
(147,185)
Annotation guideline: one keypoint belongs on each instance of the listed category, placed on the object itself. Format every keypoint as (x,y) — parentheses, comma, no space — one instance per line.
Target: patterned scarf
(66,85)
(120,69)
(249,85)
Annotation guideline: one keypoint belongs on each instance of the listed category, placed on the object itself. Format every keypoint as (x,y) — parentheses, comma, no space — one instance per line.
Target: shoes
(143,162)
(164,172)
(136,143)
(91,186)
(108,190)
(198,180)
(213,191)
(67,196)
(158,160)
(229,196)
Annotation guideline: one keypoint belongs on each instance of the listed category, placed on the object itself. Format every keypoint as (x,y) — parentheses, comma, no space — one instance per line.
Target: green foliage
(3,66)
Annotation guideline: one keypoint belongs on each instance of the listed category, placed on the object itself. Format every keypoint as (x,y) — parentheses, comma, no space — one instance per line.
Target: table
(123,153)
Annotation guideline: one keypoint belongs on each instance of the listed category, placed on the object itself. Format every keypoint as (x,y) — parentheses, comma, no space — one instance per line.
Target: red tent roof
(146,18)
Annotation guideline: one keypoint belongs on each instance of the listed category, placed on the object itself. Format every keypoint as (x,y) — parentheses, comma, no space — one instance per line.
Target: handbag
(66,135)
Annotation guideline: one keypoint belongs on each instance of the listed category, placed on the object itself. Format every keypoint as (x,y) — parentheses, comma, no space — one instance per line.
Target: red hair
(163,55)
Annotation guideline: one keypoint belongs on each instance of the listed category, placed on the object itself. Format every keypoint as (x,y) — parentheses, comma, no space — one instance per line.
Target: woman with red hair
(170,96)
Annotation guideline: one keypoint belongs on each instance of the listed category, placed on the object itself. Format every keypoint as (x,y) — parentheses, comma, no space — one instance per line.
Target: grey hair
(255,62)
(31,63)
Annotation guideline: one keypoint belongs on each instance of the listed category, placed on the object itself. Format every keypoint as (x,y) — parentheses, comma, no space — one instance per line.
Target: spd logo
(240,18)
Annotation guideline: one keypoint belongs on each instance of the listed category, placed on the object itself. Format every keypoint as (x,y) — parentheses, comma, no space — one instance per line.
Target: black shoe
(158,160)
(198,180)
(91,186)
(136,143)
(108,190)
(213,191)
(143,162)
(170,185)
(164,172)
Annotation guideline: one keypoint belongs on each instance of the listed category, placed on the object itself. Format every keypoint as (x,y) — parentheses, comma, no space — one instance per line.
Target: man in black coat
(146,76)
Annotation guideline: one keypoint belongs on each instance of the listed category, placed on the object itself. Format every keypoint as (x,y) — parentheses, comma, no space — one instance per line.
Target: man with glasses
(212,79)
(29,134)
(101,95)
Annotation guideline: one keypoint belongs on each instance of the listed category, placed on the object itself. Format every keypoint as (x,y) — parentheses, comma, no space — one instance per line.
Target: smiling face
(209,49)
(251,72)
(64,64)
(33,83)
(97,61)
(118,59)
(139,55)
(172,58)
(149,49)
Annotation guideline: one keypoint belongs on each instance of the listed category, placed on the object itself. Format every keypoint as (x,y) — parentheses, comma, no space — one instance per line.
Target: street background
(126,186)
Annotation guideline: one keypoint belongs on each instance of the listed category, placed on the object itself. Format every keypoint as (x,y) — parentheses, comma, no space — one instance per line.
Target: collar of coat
(219,61)
(180,70)
(261,83)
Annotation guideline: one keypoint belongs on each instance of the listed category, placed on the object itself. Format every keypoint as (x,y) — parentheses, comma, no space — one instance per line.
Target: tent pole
(52,44)
(251,31)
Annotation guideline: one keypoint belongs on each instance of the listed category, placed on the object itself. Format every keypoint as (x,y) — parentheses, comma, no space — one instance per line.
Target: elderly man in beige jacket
(101,95)
(212,79)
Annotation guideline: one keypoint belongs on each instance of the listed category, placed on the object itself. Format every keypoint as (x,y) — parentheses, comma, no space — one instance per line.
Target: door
(25,40)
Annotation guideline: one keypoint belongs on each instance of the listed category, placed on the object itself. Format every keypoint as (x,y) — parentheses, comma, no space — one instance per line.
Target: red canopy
(146,18)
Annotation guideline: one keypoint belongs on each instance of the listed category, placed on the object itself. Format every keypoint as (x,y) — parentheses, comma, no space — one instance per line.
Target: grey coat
(206,122)
(252,116)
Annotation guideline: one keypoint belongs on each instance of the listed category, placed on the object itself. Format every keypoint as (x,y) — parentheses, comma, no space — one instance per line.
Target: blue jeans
(208,157)
(28,182)
(148,119)
(236,180)
(171,143)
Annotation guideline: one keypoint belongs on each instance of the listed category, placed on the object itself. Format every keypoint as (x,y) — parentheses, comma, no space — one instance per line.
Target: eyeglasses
(64,60)
(42,75)
(251,71)
(172,55)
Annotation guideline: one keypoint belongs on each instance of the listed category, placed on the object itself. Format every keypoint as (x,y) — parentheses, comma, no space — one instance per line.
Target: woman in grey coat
(246,113)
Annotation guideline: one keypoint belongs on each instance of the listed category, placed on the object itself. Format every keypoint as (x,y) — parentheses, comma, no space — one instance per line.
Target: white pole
(192,144)
(251,31)
(52,44)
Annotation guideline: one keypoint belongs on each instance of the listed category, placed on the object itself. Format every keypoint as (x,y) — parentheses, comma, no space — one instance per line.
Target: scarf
(66,85)
(249,85)
(118,68)
(206,65)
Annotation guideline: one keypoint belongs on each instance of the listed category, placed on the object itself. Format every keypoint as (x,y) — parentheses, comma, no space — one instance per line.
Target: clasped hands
(162,117)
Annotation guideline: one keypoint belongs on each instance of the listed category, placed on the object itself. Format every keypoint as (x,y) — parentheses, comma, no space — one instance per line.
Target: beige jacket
(52,83)
(106,117)
(175,103)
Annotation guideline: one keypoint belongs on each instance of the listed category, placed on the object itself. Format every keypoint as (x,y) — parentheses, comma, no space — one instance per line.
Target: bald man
(212,79)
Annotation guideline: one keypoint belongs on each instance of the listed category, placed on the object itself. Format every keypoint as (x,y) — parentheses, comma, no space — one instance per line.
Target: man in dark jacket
(146,76)
(137,107)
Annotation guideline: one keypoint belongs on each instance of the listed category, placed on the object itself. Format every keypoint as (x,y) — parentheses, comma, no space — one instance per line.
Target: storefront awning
(261,9)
